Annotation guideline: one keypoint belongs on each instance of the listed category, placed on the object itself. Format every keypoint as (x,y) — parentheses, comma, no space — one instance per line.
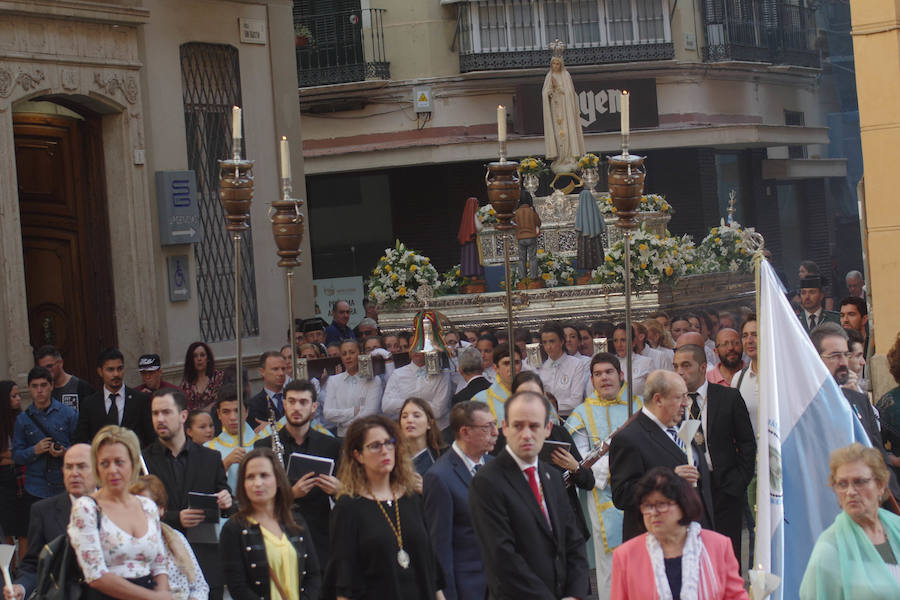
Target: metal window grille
(210,78)
(516,33)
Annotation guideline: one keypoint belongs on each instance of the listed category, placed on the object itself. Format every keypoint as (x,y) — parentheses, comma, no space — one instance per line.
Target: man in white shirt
(746,381)
(641,366)
(564,376)
(348,396)
(414,380)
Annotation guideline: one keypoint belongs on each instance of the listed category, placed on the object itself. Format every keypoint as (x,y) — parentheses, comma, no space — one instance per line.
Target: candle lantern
(502,181)
(626,185)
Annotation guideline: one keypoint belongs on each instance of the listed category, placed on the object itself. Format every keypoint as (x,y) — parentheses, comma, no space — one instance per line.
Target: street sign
(177,270)
(179,214)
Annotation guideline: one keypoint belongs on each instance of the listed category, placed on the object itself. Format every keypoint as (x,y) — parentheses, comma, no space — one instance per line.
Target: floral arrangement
(649,203)
(555,270)
(451,280)
(653,259)
(486,215)
(399,273)
(723,249)
(588,161)
(531,166)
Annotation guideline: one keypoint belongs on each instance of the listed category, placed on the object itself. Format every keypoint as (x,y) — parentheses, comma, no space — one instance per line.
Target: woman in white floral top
(123,555)
(186,580)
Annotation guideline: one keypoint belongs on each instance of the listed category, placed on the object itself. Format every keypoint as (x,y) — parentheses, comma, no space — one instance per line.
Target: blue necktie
(673,433)
(276,403)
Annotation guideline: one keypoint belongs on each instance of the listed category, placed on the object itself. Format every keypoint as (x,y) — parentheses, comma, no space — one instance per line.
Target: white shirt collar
(120,393)
(818,314)
(470,464)
(702,391)
(655,419)
(521,463)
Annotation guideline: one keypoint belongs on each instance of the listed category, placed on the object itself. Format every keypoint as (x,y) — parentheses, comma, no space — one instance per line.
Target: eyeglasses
(487,427)
(728,344)
(660,507)
(836,355)
(857,482)
(378,446)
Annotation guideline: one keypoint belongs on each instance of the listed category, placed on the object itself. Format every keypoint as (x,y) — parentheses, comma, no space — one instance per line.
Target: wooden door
(65,237)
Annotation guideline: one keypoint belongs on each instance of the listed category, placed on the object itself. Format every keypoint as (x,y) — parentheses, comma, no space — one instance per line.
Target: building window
(795,118)
(211,86)
(518,32)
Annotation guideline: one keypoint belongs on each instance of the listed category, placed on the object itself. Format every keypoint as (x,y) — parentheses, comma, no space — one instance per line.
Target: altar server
(496,395)
(564,376)
(226,443)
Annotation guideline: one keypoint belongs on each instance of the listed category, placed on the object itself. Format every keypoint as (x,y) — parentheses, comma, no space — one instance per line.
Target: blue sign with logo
(179,214)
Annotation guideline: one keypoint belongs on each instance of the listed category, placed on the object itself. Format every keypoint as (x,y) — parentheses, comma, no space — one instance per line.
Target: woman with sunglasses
(380,544)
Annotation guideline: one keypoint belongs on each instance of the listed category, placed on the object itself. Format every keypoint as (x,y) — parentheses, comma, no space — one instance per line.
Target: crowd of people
(496,477)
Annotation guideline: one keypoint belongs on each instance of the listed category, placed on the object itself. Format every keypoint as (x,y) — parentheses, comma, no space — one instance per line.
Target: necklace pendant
(403,558)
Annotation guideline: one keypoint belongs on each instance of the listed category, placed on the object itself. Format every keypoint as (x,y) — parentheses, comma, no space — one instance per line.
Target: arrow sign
(189,232)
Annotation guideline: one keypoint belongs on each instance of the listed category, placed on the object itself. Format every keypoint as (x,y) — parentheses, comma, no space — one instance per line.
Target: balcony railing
(515,34)
(773,31)
(340,47)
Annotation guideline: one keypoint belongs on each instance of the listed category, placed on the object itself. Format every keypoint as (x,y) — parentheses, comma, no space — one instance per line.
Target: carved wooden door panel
(65,238)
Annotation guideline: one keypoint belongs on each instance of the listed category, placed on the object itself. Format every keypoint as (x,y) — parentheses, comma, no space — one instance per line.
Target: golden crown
(557,48)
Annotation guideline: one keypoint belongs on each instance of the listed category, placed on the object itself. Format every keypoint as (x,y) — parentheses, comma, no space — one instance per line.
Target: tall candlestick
(625,112)
(501,123)
(236,132)
(285,158)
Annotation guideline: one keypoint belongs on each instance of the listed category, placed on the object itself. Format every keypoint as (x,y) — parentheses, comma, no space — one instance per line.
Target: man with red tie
(529,536)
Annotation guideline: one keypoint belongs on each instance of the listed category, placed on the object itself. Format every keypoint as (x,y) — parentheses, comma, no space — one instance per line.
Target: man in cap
(314,332)
(811,300)
(150,368)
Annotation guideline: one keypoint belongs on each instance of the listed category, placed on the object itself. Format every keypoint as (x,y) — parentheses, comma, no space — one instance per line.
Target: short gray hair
(470,360)
(853,275)
(658,382)
(826,330)
(367,322)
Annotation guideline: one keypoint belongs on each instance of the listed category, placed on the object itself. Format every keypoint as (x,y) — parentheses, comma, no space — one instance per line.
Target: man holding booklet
(311,459)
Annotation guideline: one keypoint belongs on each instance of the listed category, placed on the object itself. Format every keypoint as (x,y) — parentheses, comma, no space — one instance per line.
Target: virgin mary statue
(562,122)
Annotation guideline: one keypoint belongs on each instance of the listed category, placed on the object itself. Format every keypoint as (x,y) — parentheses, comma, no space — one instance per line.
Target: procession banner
(803,417)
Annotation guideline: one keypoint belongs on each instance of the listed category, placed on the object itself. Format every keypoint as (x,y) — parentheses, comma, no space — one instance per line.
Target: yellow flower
(413,268)
(492,212)
(401,290)
(546,276)
(643,247)
(387,268)
(540,251)
(643,265)
(393,277)
(376,271)
(609,258)
(665,207)
(714,230)
(372,294)
(613,209)
(427,260)
(669,270)
(718,240)
(570,280)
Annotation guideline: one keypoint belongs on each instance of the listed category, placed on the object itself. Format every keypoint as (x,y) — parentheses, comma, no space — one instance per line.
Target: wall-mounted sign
(328,291)
(179,284)
(179,215)
(253,31)
(598,102)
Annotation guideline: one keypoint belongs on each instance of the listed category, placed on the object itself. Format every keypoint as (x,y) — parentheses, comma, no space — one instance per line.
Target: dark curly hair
(893,357)
(666,482)
(190,372)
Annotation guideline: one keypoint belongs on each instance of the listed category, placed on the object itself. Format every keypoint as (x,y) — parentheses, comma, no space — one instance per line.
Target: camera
(57,447)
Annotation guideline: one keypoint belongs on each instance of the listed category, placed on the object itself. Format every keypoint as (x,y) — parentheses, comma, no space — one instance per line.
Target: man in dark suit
(273,369)
(813,313)
(528,534)
(114,403)
(446,491)
(725,436)
(650,440)
(312,494)
(470,369)
(831,342)
(184,467)
(50,516)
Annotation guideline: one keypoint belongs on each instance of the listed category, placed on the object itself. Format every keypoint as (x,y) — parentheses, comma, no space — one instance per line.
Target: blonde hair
(665,338)
(856,452)
(353,475)
(113,434)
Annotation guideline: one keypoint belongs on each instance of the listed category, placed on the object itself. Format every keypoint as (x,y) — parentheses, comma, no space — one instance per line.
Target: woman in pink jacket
(675,558)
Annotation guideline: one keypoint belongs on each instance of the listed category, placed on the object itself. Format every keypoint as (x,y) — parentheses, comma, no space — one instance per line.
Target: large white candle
(625,110)
(285,158)
(236,123)
(501,123)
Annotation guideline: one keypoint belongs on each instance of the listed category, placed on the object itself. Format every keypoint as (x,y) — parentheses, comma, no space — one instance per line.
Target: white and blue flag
(803,417)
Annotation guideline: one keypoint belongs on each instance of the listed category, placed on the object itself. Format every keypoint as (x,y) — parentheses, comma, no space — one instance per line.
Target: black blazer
(204,473)
(49,519)
(732,444)
(860,405)
(446,494)
(523,557)
(475,385)
(92,416)
(639,447)
(246,565)
(258,408)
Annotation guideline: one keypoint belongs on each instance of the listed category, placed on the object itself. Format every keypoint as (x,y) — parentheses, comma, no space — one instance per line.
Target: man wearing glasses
(67,388)
(831,342)
(446,491)
(729,351)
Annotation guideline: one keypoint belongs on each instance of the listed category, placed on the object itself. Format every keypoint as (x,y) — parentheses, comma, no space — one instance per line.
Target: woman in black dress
(380,545)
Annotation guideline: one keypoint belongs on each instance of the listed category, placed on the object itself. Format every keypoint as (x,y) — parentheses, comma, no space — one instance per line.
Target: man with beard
(185,467)
(831,342)
(311,492)
(730,351)
(725,438)
(811,299)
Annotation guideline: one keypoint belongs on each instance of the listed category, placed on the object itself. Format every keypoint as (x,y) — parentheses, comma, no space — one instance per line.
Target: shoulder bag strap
(741,378)
(41,427)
